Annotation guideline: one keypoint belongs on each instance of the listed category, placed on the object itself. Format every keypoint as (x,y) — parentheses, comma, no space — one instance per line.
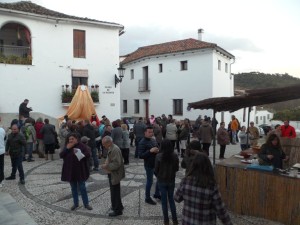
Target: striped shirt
(201,205)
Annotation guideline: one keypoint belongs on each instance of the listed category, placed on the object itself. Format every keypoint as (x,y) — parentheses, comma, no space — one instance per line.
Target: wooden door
(146,109)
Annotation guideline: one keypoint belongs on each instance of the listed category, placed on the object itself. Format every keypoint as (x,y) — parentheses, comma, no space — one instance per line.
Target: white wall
(202,80)
(222,80)
(52,52)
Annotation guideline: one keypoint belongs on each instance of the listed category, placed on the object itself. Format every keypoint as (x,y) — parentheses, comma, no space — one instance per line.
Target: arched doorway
(15,44)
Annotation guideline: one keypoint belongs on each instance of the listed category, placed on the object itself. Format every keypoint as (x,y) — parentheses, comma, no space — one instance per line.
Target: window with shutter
(79,43)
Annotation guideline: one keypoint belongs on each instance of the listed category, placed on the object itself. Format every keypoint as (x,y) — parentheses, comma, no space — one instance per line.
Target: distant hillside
(255,80)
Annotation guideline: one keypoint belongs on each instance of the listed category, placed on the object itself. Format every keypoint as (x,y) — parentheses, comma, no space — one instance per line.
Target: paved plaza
(45,199)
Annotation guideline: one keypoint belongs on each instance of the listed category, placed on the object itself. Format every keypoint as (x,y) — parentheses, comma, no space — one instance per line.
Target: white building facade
(263,117)
(164,78)
(52,49)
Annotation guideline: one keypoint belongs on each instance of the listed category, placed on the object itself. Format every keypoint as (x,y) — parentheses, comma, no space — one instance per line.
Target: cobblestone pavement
(48,200)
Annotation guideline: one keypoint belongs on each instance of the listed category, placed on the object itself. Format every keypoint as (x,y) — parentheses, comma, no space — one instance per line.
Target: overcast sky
(263,35)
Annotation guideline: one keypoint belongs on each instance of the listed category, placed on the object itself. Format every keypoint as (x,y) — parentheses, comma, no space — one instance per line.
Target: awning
(80,73)
(251,98)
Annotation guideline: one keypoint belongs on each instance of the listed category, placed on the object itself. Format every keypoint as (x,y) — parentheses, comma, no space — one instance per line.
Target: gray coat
(139,129)
(48,130)
(115,164)
(206,133)
(126,140)
(116,135)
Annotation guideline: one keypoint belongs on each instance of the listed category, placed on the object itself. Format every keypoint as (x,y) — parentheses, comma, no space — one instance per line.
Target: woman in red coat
(76,171)
(94,117)
(40,144)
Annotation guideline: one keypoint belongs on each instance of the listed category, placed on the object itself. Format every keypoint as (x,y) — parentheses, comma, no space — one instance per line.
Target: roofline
(180,52)
(63,19)
(223,51)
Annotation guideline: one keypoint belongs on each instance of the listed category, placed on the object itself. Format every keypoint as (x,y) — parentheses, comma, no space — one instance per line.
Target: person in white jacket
(243,135)
(171,132)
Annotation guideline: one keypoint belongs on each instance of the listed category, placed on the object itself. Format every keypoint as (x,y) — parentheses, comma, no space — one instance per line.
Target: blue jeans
(149,182)
(16,164)
(95,158)
(29,147)
(82,188)
(167,193)
(233,133)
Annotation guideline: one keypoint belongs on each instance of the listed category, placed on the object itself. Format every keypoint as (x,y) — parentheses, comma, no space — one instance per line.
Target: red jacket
(38,126)
(95,119)
(288,131)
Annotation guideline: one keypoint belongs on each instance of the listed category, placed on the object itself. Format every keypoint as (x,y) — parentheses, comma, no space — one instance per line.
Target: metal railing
(144,85)
(12,54)
(20,51)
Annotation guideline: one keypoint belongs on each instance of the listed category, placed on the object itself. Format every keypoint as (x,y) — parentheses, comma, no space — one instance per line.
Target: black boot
(10,178)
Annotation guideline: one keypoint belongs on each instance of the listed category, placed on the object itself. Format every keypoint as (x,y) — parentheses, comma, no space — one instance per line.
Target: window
(268,116)
(177,107)
(15,44)
(226,67)
(124,106)
(256,119)
(183,65)
(219,64)
(160,68)
(79,43)
(136,106)
(132,74)
(79,77)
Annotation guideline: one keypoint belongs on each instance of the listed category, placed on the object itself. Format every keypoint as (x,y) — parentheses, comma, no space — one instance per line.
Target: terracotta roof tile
(29,7)
(168,47)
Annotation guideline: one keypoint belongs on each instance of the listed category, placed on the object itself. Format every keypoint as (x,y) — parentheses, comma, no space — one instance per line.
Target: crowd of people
(83,143)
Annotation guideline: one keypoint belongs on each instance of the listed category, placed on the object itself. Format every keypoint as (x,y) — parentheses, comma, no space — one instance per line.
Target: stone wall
(6,118)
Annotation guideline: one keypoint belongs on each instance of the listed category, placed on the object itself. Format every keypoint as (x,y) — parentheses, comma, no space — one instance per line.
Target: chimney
(200,32)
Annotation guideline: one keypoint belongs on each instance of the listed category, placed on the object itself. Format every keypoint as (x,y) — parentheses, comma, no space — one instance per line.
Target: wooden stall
(291,147)
(257,193)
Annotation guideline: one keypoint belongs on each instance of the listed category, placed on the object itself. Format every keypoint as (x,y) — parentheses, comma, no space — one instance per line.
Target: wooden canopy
(251,98)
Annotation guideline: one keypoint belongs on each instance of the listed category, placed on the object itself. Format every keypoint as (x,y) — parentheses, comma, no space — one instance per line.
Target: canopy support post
(214,139)
(248,125)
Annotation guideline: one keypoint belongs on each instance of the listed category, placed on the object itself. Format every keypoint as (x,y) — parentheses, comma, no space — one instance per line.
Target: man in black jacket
(89,131)
(14,144)
(24,110)
(147,150)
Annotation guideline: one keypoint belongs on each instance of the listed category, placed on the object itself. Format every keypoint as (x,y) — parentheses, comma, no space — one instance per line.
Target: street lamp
(121,72)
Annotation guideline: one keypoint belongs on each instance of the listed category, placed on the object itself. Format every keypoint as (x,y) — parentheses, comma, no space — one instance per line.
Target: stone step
(11,213)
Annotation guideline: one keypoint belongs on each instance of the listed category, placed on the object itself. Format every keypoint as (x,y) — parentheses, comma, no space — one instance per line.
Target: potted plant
(95,96)
(66,96)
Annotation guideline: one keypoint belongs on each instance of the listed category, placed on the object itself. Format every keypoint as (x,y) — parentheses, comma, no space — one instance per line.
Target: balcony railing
(68,92)
(144,85)
(11,54)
